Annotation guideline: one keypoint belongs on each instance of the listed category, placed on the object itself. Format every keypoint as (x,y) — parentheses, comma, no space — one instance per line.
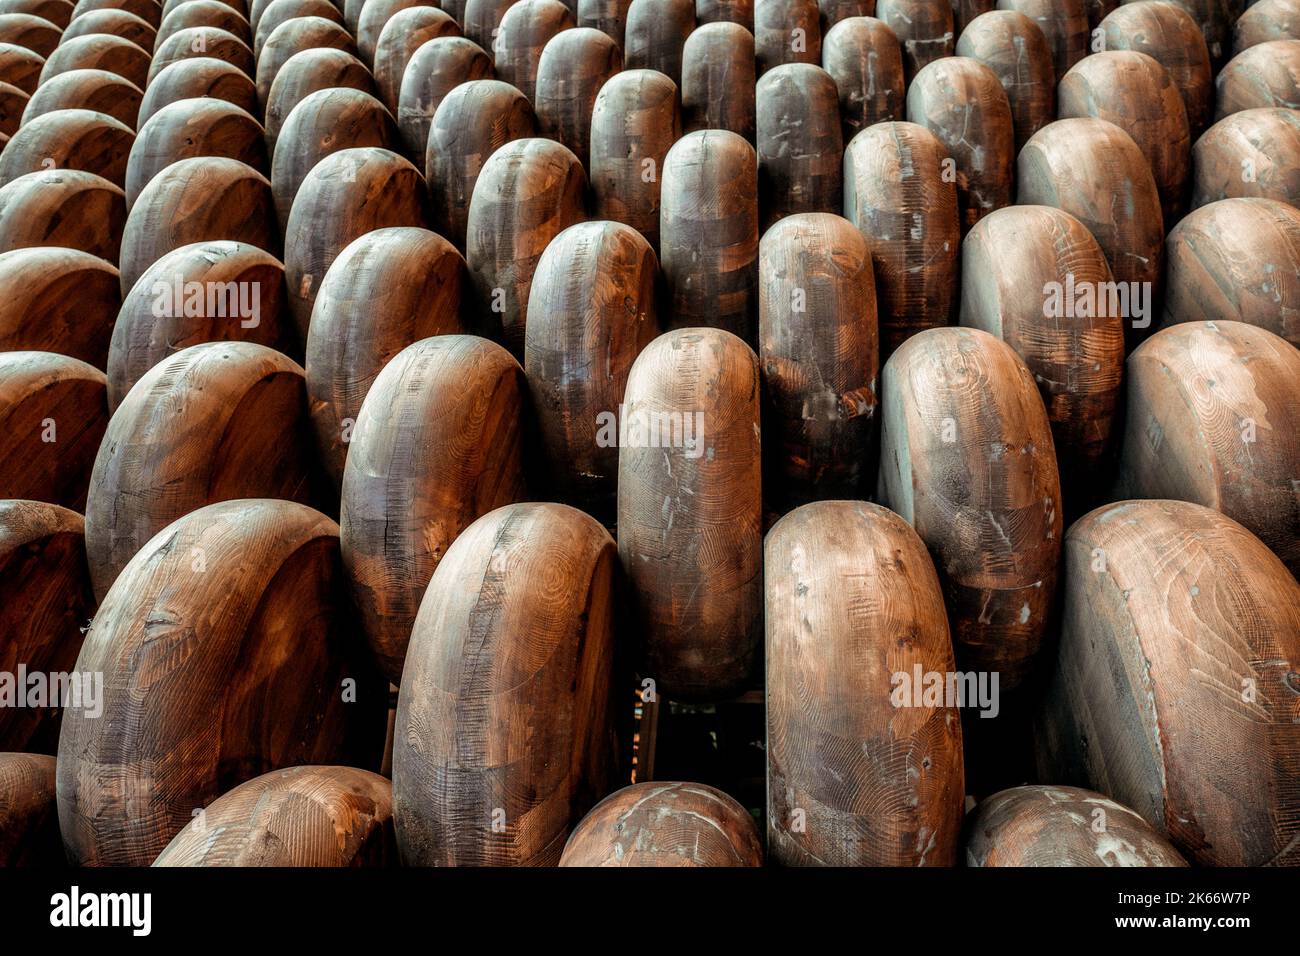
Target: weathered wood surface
(386,290)
(689,515)
(1252,153)
(45,601)
(864,58)
(571,71)
(1166,32)
(1015,49)
(665,824)
(1264,75)
(1179,644)
(26,30)
(96,90)
(434,70)
(1063,22)
(279,11)
(294,36)
(856,575)
(607,16)
(966,457)
(924,29)
(718,79)
(13,105)
(73,139)
(204,13)
(60,300)
(833,11)
(1213,417)
(206,42)
(896,194)
(655,34)
(193,128)
(1062,826)
(299,816)
(526,27)
(65,208)
(29,820)
(58,12)
(20,67)
(118,23)
(1214,20)
(99,51)
(1264,21)
(375,15)
(800,143)
(592,309)
(740,12)
(405,33)
(484,774)
(148,10)
(310,72)
(227,652)
(202,76)
(214,422)
(481,20)
(786,31)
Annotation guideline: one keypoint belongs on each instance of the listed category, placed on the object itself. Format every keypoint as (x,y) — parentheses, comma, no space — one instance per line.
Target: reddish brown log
(202,42)
(25,30)
(202,76)
(53,413)
(20,67)
(99,51)
(1015,49)
(1264,21)
(309,72)
(865,60)
(190,128)
(1168,34)
(203,13)
(405,33)
(281,10)
(834,728)
(95,90)
(924,29)
(57,300)
(29,820)
(607,16)
(572,69)
(655,34)
(1180,626)
(718,80)
(13,106)
(786,31)
(58,12)
(118,23)
(375,15)
(196,702)
(69,139)
(800,145)
(1267,74)
(148,10)
(1253,153)
(434,70)
(294,36)
(63,207)
(665,824)
(1063,22)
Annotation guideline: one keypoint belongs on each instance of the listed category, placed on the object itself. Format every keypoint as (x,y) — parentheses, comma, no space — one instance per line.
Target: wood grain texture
(401,36)
(69,139)
(1063,22)
(961,101)
(434,70)
(1252,153)
(1174,687)
(709,233)
(386,290)
(853,778)
(57,300)
(148,10)
(526,27)
(655,34)
(45,601)
(194,127)
(214,291)
(662,824)
(504,736)
(207,42)
(689,515)
(202,76)
(296,817)
(592,309)
(573,68)
(375,15)
(529,191)
(310,72)
(482,18)
(203,13)
(227,652)
(819,355)
(29,821)
(13,105)
(1166,32)
(474,120)
(1264,75)
(1062,826)
(239,6)
(1214,20)
(834,11)
(1076,354)
(20,67)
(1264,21)
(924,29)
(196,200)
(987,500)
(118,23)
(65,208)
(53,412)
(99,52)
(58,12)
(786,31)
(279,11)
(26,30)
(1213,417)
(608,16)
(1016,50)
(800,144)
(294,36)
(864,58)
(725,11)
(95,90)
(213,422)
(895,193)
(718,79)
(346,195)
(401,507)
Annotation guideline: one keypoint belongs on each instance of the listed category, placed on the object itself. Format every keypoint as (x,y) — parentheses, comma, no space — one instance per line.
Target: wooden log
(13,105)
(346,195)
(529,191)
(53,414)
(325,122)
(800,145)
(635,121)
(1264,21)
(786,31)
(483,775)
(65,208)
(296,817)
(819,355)
(474,120)
(193,128)
(95,90)
(99,51)
(58,12)
(148,10)
(1167,33)
(966,457)
(25,30)
(690,515)
(1079,165)
(294,36)
(865,60)
(1212,418)
(405,33)
(1267,74)
(665,824)
(591,311)
(276,679)
(282,10)
(526,27)
(1035,277)
(573,68)
(1062,826)
(306,73)
(20,67)
(202,76)
(924,29)
(482,19)
(655,35)
(213,291)
(203,13)
(118,23)
(197,200)
(386,290)
(607,16)
(80,140)
(57,300)
(834,729)
(375,15)
(718,79)
(897,196)
(1016,50)
(1252,153)
(29,820)
(1063,22)
(239,429)
(961,101)
(1179,626)
(435,69)
(45,601)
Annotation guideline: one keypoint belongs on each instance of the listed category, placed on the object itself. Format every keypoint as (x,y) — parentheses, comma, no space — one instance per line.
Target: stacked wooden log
(393,393)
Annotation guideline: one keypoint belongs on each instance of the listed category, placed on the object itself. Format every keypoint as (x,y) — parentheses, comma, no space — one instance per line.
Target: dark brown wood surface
(203,76)
(63,207)
(725,11)
(864,58)
(718,79)
(148,10)
(608,16)
(1267,74)
(1250,153)
(206,42)
(73,139)
(306,73)
(1266,20)
(786,31)
(58,12)
(60,300)
(526,27)
(1063,22)
(294,36)
(800,143)
(654,34)
(13,105)
(573,67)
(189,128)
(29,821)
(204,13)
(401,36)
(118,23)
(434,70)
(20,67)
(96,90)
(278,12)
(98,51)
(924,29)
(26,30)
(374,16)
(1016,50)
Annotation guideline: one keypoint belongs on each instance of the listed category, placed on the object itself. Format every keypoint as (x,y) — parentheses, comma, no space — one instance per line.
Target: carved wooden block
(864,58)
(69,139)
(203,13)
(1016,50)
(405,33)
(193,128)
(95,90)
(98,51)
(1063,22)
(374,16)
(1264,21)
(1167,33)
(655,33)
(280,11)
(434,70)
(60,300)
(118,23)
(58,12)
(608,16)
(20,67)
(26,30)
(786,31)
(13,105)
(203,76)
(1267,74)
(800,145)
(718,79)
(207,42)
(573,68)
(62,207)
(526,27)
(924,29)
(294,36)
(148,10)
(1252,153)
(306,73)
